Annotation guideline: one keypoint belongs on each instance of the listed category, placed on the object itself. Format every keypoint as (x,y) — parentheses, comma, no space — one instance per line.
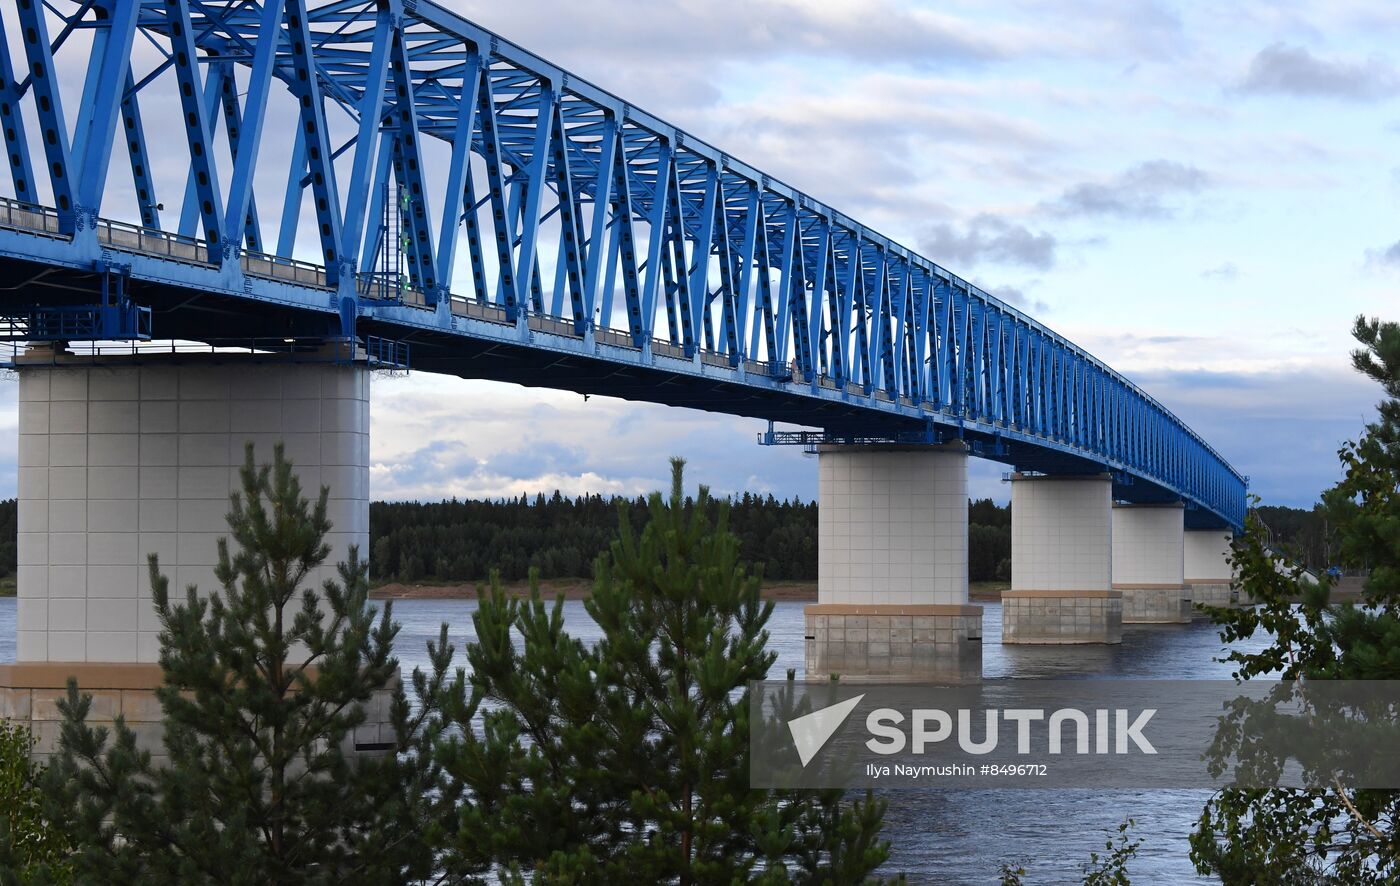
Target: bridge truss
(548,233)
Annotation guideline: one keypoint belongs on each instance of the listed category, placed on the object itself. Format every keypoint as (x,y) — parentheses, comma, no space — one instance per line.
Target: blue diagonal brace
(879,322)
(746,259)
(408,169)
(504,221)
(459,173)
(197,130)
(626,244)
(798,306)
(602,198)
(699,287)
(839,367)
(538,173)
(134,134)
(850,318)
(570,236)
(815,322)
(678,316)
(12,126)
(53,129)
(189,209)
(898,363)
(729,318)
(307,88)
(365,189)
(291,202)
(790,245)
(763,292)
(234,132)
(921,292)
(245,135)
(101,118)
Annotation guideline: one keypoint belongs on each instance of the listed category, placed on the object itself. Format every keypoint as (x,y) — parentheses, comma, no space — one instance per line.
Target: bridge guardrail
(275,267)
(147,241)
(28,217)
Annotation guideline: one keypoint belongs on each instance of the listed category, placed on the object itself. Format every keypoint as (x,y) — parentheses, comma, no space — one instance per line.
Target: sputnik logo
(810,732)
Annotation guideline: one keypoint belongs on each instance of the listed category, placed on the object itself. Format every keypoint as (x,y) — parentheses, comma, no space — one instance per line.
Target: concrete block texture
(1157,605)
(121,461)
(121,686)
(1061,533)
(1055,617)
(1221,594)
(1148,544)
(1208,556)
(894,642)
(892,525)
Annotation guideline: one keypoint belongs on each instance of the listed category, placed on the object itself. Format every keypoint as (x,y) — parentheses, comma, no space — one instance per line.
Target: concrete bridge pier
(1148,563)
(121,457)
(1208,571)
(1061,562)
(892,567)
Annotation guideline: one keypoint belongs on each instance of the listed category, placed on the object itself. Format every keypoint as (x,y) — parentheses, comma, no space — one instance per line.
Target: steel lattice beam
(564,201)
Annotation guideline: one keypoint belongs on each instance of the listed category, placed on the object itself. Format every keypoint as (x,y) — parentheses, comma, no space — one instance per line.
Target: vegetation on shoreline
(1331,833)
(454,542)
(441,543)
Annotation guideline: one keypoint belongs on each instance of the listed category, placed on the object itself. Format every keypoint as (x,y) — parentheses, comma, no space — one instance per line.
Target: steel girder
(539,170)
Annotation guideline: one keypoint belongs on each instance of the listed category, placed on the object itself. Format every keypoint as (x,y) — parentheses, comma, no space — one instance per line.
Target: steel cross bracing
(552,234)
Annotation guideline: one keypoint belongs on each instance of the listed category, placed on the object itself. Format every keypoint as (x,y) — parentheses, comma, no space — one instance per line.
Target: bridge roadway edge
(477,349)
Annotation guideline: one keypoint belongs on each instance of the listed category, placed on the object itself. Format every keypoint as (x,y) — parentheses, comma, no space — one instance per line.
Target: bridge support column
(892,567)
(1148,560)
(1208,570)
(1061,562)
(120,458)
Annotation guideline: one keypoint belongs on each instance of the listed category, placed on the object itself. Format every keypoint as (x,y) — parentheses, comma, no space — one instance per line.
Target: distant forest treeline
(1301,533)
(465,540)
(454,541)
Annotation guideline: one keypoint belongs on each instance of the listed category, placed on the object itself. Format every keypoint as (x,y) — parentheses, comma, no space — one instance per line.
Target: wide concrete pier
(120,458)
(1148,563)
(892,566)
(1208,571)
(1061,562)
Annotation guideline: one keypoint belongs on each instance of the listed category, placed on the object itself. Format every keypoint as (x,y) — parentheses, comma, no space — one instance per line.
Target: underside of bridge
(234,321)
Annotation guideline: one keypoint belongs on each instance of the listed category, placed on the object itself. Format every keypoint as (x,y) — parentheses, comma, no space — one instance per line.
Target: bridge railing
(28,217)
(289,270)
(148,241)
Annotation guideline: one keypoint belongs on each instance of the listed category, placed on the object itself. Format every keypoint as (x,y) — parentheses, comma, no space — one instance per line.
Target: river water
(957,836)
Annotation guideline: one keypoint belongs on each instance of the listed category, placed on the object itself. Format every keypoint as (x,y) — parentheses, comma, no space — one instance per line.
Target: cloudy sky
(1204,195)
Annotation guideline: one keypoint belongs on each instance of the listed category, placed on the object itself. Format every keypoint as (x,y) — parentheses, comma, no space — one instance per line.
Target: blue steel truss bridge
(472,208)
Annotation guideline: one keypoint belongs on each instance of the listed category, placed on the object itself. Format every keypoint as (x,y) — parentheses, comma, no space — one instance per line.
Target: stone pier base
(894,642)
(29,696)
(1033,616)
(1212,593)
(1156,604)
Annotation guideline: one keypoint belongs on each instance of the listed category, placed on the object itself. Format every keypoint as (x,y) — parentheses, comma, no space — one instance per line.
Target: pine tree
(628,761)
(265,681)
(1336,835)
